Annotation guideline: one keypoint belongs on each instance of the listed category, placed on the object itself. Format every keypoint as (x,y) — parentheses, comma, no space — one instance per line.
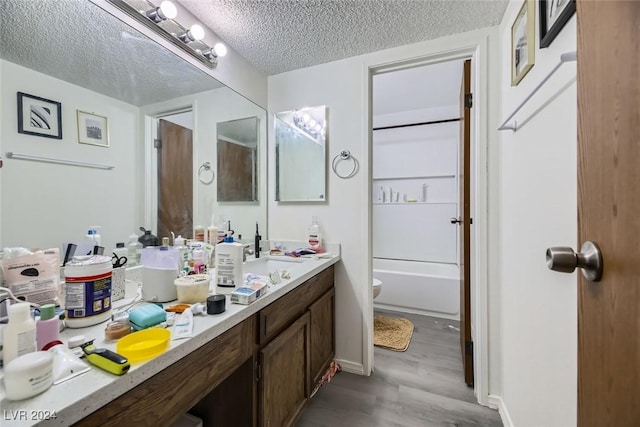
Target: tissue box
(248,293)
(117,283)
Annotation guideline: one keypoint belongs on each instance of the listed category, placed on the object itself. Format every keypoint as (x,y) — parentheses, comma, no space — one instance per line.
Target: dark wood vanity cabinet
(297,343)
(322,335)
(284,377)
(261,372)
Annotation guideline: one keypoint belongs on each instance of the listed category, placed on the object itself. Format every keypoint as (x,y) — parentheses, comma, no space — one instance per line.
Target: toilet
(377,287)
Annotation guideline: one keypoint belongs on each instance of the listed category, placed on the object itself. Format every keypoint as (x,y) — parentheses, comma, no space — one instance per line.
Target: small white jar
(28,375)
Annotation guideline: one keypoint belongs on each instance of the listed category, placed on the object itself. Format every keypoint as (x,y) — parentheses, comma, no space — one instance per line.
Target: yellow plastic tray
(143,345)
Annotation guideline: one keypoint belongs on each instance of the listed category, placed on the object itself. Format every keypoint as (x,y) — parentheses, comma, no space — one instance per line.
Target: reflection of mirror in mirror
(301,155)
(117,73)
(237,160)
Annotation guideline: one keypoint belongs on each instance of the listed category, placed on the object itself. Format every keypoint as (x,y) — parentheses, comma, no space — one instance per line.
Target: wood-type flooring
(421,387)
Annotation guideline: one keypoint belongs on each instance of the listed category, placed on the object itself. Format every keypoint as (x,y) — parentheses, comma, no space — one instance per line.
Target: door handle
(455,220)
(565,260)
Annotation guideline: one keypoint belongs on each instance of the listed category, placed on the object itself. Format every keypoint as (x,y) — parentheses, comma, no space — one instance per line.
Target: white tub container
(87,291)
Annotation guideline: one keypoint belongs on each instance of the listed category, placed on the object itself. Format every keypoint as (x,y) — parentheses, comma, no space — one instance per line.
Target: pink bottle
(48,327)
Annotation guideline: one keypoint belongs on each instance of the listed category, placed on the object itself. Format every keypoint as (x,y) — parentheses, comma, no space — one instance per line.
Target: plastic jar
(87,290)
(193,289)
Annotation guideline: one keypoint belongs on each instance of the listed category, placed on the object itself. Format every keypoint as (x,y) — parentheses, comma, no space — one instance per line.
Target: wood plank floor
(421,387)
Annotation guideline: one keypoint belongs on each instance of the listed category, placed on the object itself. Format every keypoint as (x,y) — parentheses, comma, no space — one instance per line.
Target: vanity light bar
(152,19)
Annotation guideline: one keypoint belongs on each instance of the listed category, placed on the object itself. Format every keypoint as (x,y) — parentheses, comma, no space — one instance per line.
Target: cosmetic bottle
(183,250)
(48,326)
(19,335)
(314,236)
(198,233)
(133,250)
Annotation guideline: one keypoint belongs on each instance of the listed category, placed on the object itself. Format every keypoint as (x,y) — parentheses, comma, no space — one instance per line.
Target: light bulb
(306,117)
(312,123)
(168,10)
(220,49)
(318,127)
(197,32)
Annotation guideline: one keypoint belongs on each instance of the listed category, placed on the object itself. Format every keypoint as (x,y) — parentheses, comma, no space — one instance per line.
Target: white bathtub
(418,287)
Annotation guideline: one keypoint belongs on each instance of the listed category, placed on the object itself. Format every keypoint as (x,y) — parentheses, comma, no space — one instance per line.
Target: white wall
(537,210)
(343,87)
(45,204)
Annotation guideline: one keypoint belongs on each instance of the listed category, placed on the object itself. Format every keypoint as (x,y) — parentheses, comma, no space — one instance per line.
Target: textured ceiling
(282,35)
(76,41)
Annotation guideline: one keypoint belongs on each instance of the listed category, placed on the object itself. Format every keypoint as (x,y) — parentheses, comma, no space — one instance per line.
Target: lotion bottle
(48,326)
(19,336)
(314,236)
(228,274)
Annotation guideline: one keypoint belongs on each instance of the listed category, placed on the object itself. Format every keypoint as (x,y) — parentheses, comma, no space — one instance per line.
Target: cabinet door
(284,378)
(322,335)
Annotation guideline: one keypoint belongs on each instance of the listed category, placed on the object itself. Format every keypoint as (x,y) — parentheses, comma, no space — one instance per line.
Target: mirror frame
(290,119)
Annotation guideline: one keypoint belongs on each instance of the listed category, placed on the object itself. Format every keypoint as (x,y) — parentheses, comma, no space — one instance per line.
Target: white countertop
(78,397)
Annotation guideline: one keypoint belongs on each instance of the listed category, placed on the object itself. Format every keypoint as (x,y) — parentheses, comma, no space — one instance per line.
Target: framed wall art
(554,14)
(522,42)
(92,129)
(38,116)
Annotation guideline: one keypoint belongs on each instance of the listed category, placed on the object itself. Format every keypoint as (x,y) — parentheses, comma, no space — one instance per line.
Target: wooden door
(175,180)
(464,221)
(284,377)
(322,336)
(608,203)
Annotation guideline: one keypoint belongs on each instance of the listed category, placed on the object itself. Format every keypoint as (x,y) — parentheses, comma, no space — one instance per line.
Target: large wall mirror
(301,155)
(148,102)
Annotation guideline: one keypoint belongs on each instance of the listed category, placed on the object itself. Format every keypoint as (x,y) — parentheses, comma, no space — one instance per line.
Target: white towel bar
(564,58)
(12,155)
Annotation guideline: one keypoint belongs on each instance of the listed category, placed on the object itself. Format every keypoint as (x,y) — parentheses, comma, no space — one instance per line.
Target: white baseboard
(351,367)
(493,401)
(502,409)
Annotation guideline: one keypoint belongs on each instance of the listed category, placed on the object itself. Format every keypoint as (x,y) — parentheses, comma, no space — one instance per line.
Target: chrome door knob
(565,260)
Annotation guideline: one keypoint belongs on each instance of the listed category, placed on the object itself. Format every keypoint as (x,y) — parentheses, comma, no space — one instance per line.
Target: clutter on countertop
(87,289)
(144,345)
(146,316)
(192,289)
(105,359)
(33,276)
(28,375)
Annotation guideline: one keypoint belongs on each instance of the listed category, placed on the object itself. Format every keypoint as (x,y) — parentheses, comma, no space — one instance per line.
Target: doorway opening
(172,195)
(421,181)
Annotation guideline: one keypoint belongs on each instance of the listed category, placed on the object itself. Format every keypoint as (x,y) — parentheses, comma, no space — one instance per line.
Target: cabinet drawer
(277,316)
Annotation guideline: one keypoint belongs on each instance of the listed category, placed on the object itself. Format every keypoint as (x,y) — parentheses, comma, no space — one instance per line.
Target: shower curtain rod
(435,122)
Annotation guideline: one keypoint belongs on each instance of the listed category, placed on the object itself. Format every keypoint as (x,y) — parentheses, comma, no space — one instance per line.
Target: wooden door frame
(466,47)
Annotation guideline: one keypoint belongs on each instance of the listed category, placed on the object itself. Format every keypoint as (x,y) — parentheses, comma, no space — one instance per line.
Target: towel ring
(206,166)
(345,155)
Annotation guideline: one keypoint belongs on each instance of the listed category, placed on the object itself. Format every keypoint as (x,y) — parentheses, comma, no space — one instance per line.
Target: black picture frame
(560,19)
(39,116)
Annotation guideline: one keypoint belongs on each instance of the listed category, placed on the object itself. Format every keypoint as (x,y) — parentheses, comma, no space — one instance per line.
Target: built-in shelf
(414,203)
(413,177)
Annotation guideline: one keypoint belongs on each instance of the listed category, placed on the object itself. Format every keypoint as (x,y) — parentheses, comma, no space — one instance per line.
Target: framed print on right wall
(554,15)
(523,45)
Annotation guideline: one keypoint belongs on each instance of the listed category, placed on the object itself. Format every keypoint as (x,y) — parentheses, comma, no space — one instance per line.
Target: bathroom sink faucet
(246,250)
